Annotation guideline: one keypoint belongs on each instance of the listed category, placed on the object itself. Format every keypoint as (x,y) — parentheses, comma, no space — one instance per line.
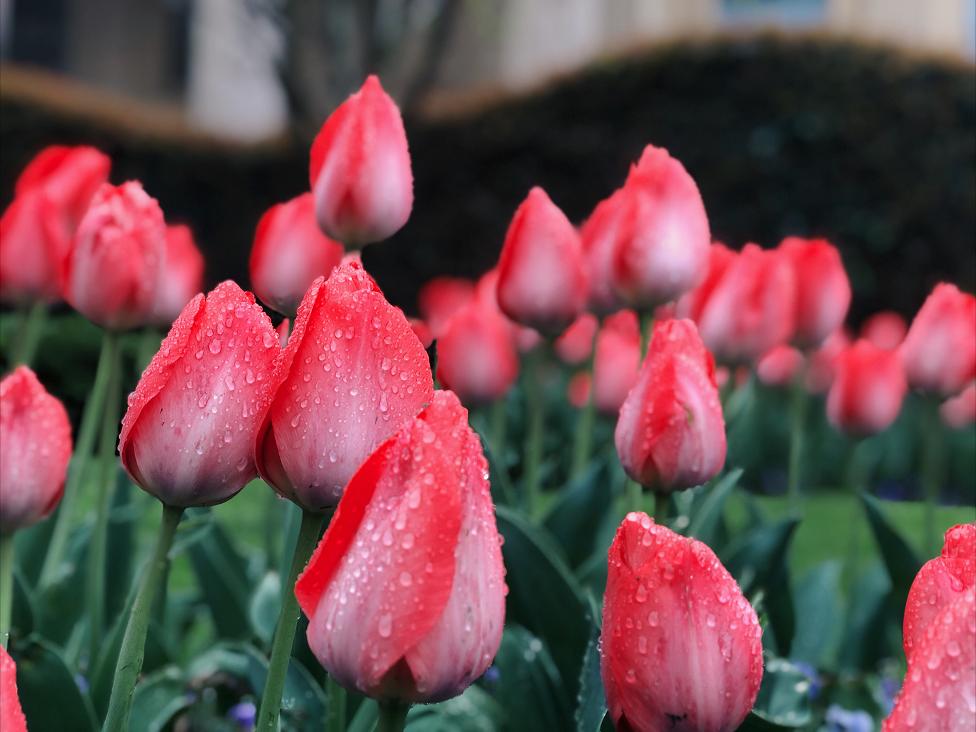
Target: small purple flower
(813,677)
(839,719)
(243,714)
(492,675)
(890,686)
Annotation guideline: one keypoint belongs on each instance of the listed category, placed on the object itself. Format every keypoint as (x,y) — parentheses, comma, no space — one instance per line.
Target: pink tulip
(598,237)
(823,362)
(886,329)
(616,362)
(823,291)
(353,372)
(868,389)
(188,434)
(440,298)
(780,366)
(289,252)
(959,411)
(182,274)
(939,351)
(35,447)
(681,647)
(575,345)
(360,169)
(671,434)
(11,715)
(541,278)
(405,594)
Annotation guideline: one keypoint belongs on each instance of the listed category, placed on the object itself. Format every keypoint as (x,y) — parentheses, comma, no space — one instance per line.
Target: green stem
(393,716)
(284,637)
(583,438)
(29,334)
(336,715)
(858,476)
(94,408)
(931,472)
(635,495)
(6,586)
(131,653)
(499,429)
(535,432)
(646,331)
(798,415)
(660,508)
(98,547)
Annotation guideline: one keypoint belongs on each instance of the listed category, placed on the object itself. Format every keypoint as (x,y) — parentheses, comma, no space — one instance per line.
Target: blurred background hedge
(867,146)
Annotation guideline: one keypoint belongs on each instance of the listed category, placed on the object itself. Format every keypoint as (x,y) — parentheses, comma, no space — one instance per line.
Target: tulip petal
(11,715)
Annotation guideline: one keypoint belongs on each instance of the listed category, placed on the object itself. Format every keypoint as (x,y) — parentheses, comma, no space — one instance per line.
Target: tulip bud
(35,447)
(422,332)
(663,237)
(616,361)
(959,411)
(11,715)
(476,356)
(352,373)
(750,309)
(598,237)
(868,389)
(578,389)
(289,252)
(692,303)
(938,689)
(823,362)
(360,169)
(939,351)
(541,280)
(681,647)
(440,298)
(823,292)
(70,176)
(31,253)
(671,434)
(780,366)
(886,330)
(113,271)
(283,330)
(575,345)
(939,582)
(182,274)
(405,594)
(188,434)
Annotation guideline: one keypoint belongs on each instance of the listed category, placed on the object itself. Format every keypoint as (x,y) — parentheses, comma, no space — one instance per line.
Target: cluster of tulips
(337,411)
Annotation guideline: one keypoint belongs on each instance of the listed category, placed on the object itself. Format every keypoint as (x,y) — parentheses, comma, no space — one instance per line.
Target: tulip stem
(858,475)
(29,334)
(393,716)
(635,495)
(931,472)
(131,653)
(646,331)
(6,586)
(583,437)
(535,402)
(336,711)
(499,429)
(97,549)
(94,407)
(284,637)
(660,508)
(798,416)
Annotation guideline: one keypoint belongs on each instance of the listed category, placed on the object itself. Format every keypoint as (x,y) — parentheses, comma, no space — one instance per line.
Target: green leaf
(48,693)
(706,519)
(543,595)
(820,611)
(784,697)
(472,711)
(365,718)
(157,699)
(529,683)
(58,610)
(265,606)
(900,560)
(120,546)
(222,577)
(22,617)
(195,527)
(756,722)
(577,514)
(591,703)
(865,640)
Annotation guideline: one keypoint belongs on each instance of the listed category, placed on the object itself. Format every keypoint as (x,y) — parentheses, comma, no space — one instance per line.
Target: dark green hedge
(866,146)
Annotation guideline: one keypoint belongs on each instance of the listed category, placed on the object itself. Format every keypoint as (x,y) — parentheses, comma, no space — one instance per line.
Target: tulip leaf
(865,639)
(31,547)
(364,720)
(222,577)
(591,704)
(526,678)
(265,606)
(544,596)
(120,545)
(818,602)
(900,560)
(784,696)
(157,699)
(706,518)
(22,618)
(577,514)
(50,619)
(472,711)
(195,526)
(48,692)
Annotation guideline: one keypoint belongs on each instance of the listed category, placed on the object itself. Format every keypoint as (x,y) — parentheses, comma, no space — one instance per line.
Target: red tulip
(938,693)
(11,715)
(113,271)
(405,594)
(578,389)
(868,389)
(886,329)
(692,303)
(616,361)
(289,252)
(939,351)
(182,274)
(422,332)
(352,373)
(575,345)
(360,169)
(35,447)
(780,366)
(749,310)
(939,582)
(440,298)
(663,237)
(31,252)
(188,434)
(681,647)
(671,434)
(598,237)
(960,411)
(476,356)
(823,362)
(541,279)
(823,292)
(70,177)
(283,330)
